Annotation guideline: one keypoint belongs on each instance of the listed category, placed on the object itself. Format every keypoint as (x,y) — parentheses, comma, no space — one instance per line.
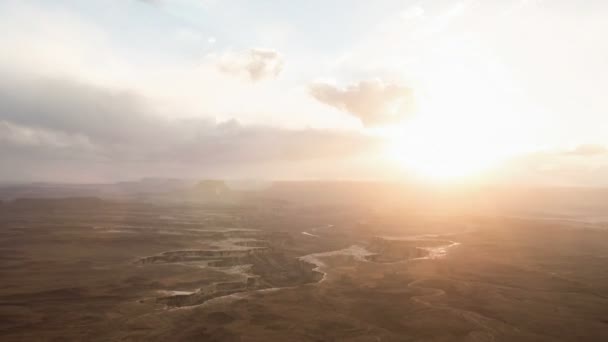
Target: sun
(465,125)
(441,160)
(446,153)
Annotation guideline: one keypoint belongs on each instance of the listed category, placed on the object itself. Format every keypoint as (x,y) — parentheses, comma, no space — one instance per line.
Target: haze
(304,171)
(483,91)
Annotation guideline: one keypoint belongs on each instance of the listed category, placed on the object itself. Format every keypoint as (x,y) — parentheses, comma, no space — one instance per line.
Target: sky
(436,91)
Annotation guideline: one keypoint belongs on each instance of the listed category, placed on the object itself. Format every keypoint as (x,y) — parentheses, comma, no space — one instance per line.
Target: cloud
(177,71)
(373,102)
(41,145)
(71,107)
(17,135)
(44,120)
(587,150)
(233,142)
(256,64)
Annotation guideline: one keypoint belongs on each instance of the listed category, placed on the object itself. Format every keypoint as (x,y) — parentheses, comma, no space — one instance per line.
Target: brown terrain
(85,269)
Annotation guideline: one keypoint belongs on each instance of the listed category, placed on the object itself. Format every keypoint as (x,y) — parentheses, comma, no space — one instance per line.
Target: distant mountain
(205,191)
(558,202)
(122,190)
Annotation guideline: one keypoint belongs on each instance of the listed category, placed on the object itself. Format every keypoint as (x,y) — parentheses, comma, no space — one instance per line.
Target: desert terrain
(287,268)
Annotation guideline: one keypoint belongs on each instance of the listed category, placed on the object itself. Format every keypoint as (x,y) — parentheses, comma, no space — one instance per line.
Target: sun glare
(463,128)
(451,152)
(441,160)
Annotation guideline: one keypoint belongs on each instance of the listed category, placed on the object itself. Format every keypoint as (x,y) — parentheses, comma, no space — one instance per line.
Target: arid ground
(85,269)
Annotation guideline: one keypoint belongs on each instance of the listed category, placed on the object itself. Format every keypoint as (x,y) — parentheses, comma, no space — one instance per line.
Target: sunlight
(442,159)
(456,150)
(464,125)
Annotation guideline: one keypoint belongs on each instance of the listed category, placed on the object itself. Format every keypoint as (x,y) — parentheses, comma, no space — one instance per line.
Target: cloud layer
(63,120)
(373,102)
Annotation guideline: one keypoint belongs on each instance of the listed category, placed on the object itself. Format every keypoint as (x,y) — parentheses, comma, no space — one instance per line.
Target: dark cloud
(61,120)
(73,108)
(372,101)
(256,64)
